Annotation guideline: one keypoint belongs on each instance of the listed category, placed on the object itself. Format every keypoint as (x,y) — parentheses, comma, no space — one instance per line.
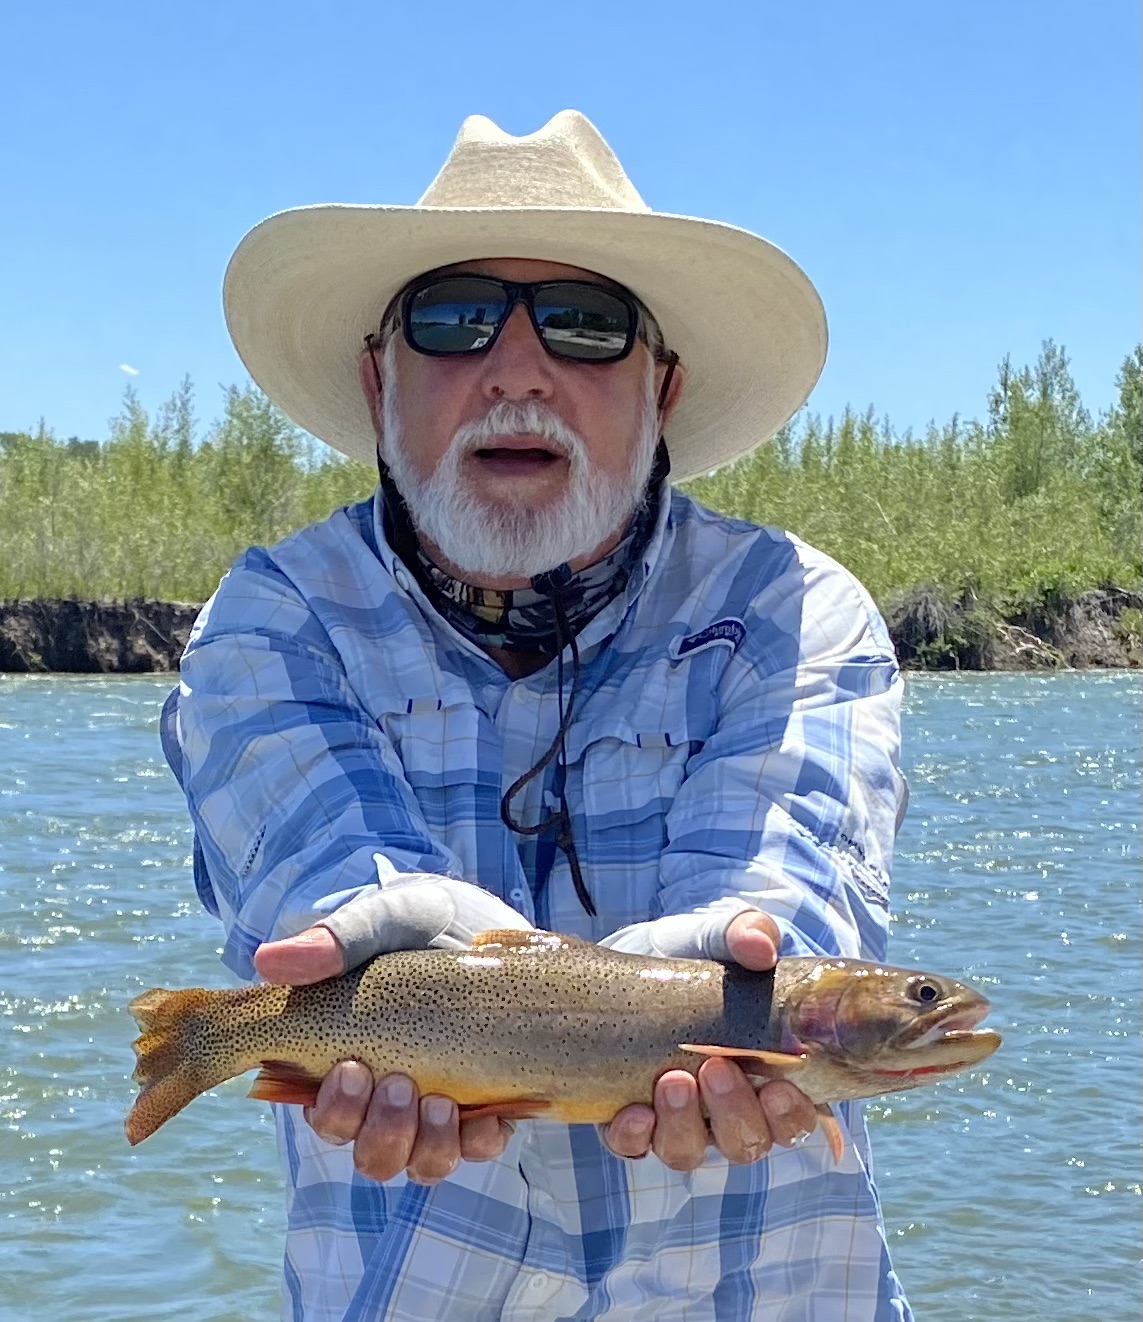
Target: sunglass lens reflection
(455,316)
(583,322)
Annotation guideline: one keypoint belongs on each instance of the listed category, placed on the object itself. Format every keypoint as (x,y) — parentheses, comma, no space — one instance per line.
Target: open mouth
(943,1023)
(943,1041)
(947,1053)
(517,459)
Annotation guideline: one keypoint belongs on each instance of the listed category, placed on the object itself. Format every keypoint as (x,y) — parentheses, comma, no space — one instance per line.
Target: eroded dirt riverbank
(1097,629)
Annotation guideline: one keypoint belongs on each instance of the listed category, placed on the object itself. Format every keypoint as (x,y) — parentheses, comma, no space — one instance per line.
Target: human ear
(678,378)
(368,374)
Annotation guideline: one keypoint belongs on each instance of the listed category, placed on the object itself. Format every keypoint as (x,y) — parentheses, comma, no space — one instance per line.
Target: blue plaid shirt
(735,745)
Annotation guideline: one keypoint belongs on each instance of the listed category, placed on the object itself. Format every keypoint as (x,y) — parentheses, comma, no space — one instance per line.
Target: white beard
(498,540)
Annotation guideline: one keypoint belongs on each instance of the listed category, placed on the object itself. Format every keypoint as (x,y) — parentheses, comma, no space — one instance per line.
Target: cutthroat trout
(532,1024)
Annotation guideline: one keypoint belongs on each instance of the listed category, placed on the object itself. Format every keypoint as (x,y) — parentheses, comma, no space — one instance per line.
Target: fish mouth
(943,1041)
(947,1019)
(947,1054)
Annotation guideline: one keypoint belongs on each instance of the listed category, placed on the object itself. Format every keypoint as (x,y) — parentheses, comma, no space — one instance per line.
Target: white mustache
(513,419)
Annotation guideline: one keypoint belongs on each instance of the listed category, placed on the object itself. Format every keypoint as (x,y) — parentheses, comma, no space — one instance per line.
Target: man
(530,684)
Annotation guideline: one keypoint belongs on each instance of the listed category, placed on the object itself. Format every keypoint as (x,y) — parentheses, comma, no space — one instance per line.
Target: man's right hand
(394,1130)
(391,1127)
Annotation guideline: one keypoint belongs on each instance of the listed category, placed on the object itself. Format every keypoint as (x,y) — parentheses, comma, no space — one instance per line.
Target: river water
(1011,1194)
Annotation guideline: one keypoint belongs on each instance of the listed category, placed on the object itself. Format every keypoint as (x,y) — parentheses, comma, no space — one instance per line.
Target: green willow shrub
(1038,499)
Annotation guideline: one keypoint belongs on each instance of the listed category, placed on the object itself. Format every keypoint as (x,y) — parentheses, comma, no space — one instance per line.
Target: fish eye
(925,991)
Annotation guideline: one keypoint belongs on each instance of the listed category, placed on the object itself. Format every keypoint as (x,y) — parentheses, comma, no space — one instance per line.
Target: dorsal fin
(510,938)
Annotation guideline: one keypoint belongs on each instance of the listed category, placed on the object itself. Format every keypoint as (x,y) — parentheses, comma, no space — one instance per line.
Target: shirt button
(516,896)
(539,1281)
(401,579)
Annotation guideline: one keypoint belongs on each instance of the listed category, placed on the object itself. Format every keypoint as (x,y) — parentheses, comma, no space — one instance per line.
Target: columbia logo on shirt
(729,632)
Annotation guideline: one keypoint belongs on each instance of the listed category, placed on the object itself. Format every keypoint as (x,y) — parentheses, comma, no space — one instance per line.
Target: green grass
(1039,500)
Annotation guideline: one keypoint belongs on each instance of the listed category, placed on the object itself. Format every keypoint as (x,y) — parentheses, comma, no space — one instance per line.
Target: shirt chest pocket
(627,779)
(450,757)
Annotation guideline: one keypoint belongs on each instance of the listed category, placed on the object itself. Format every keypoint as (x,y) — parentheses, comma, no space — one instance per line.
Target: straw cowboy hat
(305,286)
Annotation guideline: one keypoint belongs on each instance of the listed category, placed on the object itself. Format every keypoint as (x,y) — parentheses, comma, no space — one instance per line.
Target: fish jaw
(828,1077)
(942,1041)
(946,1043)
(947,1053)
(961,1011)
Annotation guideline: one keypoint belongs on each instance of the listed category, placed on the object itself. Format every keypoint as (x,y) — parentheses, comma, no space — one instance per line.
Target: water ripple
(1018,867)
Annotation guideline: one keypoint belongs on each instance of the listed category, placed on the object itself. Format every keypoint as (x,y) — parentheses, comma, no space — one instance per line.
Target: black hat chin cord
(551,585)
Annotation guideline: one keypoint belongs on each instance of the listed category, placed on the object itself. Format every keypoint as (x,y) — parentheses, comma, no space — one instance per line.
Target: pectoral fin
(779,1059)
(281,1081)
(832,1130)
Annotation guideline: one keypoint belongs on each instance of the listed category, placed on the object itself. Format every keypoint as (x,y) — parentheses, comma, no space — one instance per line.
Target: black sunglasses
(444,316)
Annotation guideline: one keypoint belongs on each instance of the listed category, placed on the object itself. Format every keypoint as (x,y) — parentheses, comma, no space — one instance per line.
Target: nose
(517,366)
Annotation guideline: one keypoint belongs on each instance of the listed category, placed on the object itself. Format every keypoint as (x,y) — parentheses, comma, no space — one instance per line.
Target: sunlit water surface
(1011,1193)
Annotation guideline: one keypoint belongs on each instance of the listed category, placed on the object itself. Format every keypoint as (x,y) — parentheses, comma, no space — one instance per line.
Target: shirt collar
(596,633)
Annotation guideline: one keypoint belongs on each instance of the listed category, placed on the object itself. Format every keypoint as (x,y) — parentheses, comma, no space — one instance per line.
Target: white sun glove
(413,911)
(698,935)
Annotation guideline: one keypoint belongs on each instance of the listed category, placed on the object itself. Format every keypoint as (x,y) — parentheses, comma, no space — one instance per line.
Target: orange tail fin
(168,1068)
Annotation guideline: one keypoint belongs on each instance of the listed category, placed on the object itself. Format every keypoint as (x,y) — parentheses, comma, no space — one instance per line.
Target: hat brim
(305,286)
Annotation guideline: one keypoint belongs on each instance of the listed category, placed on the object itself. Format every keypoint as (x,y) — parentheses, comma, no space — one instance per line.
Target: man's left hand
(743,1124)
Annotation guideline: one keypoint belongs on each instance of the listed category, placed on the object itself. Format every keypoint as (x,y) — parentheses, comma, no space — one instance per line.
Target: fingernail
(778,1104)
(799,1139)
(638,1131)
(399,1091)
(631,1142)
(677,1094)
(334,1140)
(438,1110)
(718,1078)
(354,1079)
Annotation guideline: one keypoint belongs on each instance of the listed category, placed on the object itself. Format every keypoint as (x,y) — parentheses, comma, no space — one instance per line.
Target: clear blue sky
(961,180)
